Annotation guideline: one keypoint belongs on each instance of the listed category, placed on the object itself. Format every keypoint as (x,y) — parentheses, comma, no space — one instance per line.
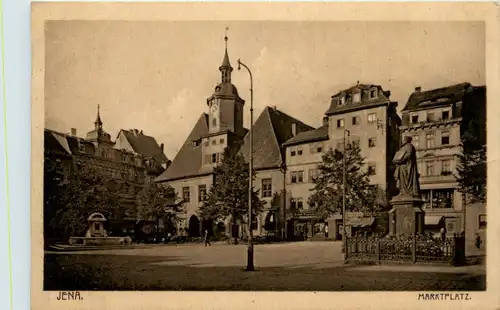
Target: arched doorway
(194,226)
(271,223)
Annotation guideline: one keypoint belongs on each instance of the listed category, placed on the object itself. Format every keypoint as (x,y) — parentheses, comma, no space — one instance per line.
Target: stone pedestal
(406,216)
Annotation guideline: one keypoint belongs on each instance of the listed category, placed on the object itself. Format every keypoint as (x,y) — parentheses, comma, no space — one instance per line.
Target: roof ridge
(268,108)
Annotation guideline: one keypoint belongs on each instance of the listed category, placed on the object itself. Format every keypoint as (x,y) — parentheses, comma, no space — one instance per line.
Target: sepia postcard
(264,155)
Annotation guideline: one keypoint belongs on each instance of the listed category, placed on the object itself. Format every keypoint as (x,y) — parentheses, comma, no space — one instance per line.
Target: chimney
(161,147)
(294,129)
(141,132)
(73,131)
(418,89)
(325,120)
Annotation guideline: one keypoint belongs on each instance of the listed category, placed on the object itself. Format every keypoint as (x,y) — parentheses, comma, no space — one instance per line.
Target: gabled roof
(144,145)
(318,134)
(448,94)
(382,98)
(271,130)
(188,161)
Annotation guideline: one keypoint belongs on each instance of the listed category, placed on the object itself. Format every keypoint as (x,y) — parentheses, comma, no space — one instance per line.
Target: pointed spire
(98,122)
(226,68)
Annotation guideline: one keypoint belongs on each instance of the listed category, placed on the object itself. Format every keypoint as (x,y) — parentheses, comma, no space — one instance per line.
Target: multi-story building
(128,170)
(434,120)
(191,171)
(372,122)
(304,153)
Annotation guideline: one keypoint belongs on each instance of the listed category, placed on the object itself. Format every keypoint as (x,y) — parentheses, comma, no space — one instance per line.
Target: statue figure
(406,173)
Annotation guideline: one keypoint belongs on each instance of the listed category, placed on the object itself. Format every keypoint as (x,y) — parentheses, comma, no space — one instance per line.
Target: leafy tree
(228,197)
(327,197)
(84,192)
(472,165)
(159,201)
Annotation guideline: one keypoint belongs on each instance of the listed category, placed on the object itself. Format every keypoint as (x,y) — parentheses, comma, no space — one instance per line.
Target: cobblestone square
(309,266)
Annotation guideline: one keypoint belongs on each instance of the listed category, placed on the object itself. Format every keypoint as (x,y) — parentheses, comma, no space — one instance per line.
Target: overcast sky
(156,76)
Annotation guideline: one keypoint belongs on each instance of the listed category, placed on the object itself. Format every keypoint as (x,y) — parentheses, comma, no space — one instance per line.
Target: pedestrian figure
(326,231)
(207,241)
(478,241)
(443,234)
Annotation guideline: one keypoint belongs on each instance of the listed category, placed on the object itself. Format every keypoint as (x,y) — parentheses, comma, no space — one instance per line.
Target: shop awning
(360,221)
(433,219)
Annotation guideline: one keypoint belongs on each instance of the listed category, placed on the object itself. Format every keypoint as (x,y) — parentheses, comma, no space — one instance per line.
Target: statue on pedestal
(406,216)
(406,173)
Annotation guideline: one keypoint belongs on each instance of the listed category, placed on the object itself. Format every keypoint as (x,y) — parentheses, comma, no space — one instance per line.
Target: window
(294,176)
(429,137)
(429,168)
(446,167)
(430,116)
(214,142)
(482,221)
(186,194)
(372,142)
(445,115)
(300,176)
(319,147)
(415,141)
(267,187)
(341,100)
(442,198)
(202,192)
(196,143)
(372,169)
(206,143)
(214,158)
(340,123)
(373,93)
(356,97)
(355,120)
(414,118)
(313,174)
(372,118)
(214,122)
(208,159)
(221,141)
(299,150)
(445,138)
(292,152)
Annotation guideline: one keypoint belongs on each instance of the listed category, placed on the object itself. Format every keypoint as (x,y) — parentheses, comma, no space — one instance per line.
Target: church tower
(100,138)
(225,105)
(225,117)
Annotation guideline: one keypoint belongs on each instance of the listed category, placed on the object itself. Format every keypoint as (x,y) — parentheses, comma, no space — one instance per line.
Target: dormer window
(341,100)
(196,143)
(414,118)
(373,93)
(356,97)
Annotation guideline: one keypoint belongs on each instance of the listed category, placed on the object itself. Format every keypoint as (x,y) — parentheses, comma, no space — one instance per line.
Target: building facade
(191,171)
(127,170)
(434,120)
(371,121)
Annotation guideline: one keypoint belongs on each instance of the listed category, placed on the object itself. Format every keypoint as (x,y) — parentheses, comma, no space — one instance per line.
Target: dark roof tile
(450,94)
(318,134)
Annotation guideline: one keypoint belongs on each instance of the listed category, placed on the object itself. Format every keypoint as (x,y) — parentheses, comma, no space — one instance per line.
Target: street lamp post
(344,183)
(250,266)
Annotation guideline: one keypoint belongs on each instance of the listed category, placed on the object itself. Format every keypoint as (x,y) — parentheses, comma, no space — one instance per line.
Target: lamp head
(239,65)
